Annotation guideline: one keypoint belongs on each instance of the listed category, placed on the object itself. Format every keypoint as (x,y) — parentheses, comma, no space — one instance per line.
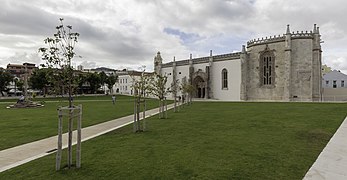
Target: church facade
(279,68)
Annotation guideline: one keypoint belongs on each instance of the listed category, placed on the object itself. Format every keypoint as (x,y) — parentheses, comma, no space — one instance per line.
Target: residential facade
(18,70)
(334,79)
(126,78)
(334,86)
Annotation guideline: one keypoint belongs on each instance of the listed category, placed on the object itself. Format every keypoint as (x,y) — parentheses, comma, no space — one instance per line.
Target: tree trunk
(159,109)
(165,109)
(144,116)
(135,114)
(175,110)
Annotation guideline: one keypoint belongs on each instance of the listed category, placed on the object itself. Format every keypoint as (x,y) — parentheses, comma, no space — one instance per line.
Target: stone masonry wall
(255,91)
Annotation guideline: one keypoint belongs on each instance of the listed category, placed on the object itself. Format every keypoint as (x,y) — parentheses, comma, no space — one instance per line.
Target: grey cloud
(129,33)
(24,19)
(22,57)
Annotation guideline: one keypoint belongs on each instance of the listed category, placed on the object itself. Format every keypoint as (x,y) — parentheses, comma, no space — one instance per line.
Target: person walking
(113,99)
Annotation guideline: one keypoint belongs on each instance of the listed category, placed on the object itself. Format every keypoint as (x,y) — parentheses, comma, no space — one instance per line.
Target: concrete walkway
(18,155)
(331,164)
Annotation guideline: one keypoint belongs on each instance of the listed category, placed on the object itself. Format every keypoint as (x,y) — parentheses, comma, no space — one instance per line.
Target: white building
(125,81)
(334,87)
(334,79)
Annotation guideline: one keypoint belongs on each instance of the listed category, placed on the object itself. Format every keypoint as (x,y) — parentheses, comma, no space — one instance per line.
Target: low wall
(334,94)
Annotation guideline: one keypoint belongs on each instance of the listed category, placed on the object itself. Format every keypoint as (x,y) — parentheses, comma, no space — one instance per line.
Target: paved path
(331,164)
(18,155)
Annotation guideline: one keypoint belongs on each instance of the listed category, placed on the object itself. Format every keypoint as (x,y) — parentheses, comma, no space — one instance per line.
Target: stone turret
(158,61)
(288,70)
(209,92)
(174,76)
(191,69)
(244,74)
(316,65)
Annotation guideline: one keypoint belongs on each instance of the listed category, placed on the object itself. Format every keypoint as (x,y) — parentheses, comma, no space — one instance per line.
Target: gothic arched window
(267,68)
(224,78)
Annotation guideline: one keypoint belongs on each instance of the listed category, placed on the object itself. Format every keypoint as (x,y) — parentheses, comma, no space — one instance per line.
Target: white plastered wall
(232,93)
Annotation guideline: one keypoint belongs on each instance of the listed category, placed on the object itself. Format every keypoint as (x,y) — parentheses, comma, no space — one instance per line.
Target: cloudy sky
(128,33)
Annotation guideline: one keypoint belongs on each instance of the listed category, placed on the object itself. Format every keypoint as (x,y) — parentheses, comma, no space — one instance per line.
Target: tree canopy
(94,81)
(5,79)
(59,53)
(41,78)
(110,81)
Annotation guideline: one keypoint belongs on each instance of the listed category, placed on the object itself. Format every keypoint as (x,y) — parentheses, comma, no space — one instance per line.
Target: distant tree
(81,80)
(110,81)
(40,79)
(94,81)
(326,69)
(5,79)
(19,84)
(103,79)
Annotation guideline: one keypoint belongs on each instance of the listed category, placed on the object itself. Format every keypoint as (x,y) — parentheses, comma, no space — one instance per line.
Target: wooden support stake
(60,134)
(144,115)
(79,134)
(134,125)
(138,115)
(69,157)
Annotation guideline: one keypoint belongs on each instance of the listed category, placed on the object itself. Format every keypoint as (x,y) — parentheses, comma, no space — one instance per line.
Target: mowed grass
(208,140)
(19,126)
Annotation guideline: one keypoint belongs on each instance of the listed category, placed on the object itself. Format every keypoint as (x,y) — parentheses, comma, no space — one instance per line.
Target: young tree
(159,90)
(141,88)
(174,90)
(58,55)
(5,79)
(187,91)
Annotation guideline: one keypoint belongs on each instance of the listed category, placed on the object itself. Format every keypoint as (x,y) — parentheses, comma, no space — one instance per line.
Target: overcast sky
(129,33)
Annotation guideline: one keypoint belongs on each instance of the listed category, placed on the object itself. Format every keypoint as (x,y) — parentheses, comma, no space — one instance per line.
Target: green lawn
(20,126)
(209,140)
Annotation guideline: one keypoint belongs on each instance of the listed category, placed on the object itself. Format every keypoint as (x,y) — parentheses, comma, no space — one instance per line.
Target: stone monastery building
(278,68)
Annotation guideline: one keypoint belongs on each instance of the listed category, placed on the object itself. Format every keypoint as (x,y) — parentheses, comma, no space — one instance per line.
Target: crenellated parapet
(280,38)
(302,34)
(271,39)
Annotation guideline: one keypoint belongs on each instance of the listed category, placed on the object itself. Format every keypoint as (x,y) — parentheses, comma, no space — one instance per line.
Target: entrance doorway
(200,86)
